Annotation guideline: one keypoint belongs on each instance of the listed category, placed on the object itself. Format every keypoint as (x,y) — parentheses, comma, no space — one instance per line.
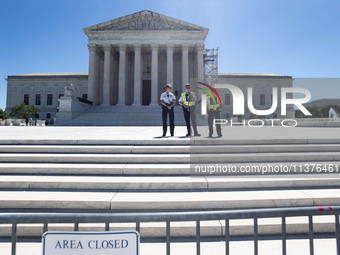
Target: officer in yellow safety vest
(214,112)
(188,100)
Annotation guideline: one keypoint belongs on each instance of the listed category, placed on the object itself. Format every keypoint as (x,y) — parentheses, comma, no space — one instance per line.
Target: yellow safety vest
(188,103)
(214,106)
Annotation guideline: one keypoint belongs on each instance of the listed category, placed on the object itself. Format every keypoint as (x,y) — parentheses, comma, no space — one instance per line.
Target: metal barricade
(168,217)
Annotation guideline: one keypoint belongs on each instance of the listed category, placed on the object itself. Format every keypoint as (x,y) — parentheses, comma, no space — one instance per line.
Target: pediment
(145,20)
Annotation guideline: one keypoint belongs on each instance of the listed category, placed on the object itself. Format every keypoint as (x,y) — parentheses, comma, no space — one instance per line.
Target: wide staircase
(122,116)
(155,176)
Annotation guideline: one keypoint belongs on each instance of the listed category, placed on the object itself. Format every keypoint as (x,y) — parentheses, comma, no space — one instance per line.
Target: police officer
(187,101)
(168,101)
(214,112)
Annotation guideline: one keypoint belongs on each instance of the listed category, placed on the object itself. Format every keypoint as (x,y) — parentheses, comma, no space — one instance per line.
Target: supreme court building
(131,59)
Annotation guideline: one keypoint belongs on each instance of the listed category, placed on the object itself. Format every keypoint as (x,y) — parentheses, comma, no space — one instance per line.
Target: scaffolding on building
(211,66)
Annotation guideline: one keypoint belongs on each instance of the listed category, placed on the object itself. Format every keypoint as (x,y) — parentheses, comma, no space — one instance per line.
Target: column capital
(92,47)
(137,46)
(185,47)
(122,47)
(107,47)
(170,47)
(154,46)
(200,48)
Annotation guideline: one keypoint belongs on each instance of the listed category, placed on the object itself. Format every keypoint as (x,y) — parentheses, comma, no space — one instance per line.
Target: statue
(70,90)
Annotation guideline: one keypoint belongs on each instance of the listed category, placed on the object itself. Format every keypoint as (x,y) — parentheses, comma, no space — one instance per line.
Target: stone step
(95,169)
(95,149)
(168,200)
(265,157)
(94,158)
(173,149)
(163,182)
(156,139)
(225,158)
(244,227)
(169,169)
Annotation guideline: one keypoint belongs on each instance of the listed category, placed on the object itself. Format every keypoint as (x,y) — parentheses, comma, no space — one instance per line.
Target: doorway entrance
(146,93)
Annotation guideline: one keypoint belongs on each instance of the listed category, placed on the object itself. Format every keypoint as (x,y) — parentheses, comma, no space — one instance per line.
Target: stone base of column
(120,104)
(153,104)
(105,105)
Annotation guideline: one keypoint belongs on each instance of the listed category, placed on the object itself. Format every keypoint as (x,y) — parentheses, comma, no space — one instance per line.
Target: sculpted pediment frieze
(146,20)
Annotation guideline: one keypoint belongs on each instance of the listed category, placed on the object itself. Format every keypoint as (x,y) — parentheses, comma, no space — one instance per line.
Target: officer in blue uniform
(168,101)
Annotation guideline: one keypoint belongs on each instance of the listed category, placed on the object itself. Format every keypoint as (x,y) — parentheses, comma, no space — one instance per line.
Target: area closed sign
(90,243)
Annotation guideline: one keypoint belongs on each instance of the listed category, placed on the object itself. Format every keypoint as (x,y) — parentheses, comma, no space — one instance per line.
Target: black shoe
(172,135)
(219,135)
(163,135)
(197,134)
(210,136)
(187,135)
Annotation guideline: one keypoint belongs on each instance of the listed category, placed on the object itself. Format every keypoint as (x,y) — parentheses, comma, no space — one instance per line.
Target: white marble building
(130,60)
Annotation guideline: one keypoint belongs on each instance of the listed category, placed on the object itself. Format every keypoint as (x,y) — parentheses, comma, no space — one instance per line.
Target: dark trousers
(165,112)
(214,114)
(189,114)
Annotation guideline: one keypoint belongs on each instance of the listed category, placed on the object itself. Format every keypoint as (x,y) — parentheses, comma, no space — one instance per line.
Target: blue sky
(297,38)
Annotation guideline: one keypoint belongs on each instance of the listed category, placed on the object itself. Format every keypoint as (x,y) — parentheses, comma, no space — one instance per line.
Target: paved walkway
(152,133)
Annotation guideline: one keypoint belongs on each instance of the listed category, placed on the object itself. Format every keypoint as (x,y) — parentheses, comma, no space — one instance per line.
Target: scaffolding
(211,66)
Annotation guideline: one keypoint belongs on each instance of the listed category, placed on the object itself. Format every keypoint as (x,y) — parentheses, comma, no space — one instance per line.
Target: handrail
(85,101)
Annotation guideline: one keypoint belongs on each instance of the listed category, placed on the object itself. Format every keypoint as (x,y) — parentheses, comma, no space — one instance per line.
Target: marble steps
(144,200)
(161,149)
(123,169)
(170,141)
(115,178)
(266,226)
(119,116)
(225,158)
(96,149)
(95,169)
(109,183)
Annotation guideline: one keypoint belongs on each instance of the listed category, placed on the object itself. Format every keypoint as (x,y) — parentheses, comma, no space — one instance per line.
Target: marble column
(137,76)
(9,95)
(185,65)
(200,69)
(200,65)
(92,70)
(121,78)
(170,63)
(107,75)
(154,74)
(97,77)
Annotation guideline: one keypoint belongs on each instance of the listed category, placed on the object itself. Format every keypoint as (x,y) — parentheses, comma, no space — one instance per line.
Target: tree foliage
(23,111)
(3,115)
(317,111)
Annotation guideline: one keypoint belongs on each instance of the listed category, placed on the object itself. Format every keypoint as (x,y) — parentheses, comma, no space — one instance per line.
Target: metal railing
(168,217)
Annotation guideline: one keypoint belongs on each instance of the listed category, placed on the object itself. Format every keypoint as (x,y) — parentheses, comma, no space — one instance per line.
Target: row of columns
(94,72)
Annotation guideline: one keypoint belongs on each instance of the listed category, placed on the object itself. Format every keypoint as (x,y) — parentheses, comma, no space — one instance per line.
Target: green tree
(23,111)
(316,111)
(3,114)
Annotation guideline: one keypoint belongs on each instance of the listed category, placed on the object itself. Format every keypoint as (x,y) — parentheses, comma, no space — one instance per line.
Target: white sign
(90,243)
